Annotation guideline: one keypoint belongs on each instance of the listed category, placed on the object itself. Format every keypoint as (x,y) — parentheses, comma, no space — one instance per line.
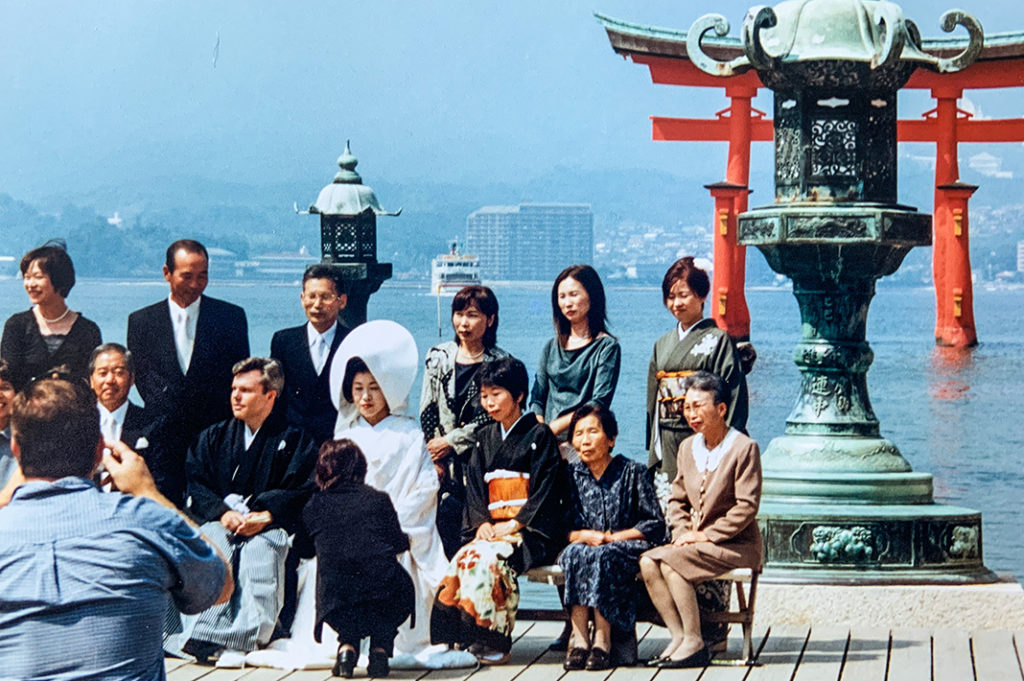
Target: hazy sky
(95,93)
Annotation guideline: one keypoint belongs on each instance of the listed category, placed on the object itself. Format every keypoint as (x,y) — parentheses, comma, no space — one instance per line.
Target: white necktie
(183,341)
(108,428)
(320,354)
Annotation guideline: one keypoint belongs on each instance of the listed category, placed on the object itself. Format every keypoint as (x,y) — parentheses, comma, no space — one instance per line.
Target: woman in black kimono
(361,589)
(513,518)
(615,517)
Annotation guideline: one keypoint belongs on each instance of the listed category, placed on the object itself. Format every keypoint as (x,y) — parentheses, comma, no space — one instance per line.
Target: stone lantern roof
(347,195)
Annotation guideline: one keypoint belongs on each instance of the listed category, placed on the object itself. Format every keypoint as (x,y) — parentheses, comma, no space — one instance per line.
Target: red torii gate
(1000,65)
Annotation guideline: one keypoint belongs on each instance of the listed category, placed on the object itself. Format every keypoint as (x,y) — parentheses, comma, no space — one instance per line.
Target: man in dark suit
(306,352)
(111,376)
(184,348)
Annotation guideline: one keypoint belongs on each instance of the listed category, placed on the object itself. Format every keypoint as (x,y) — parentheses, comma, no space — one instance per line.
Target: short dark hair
(187,245)
(484,300)
(707,382)
(684,268)
(605,415)
(339,461)
(55,263)
(597,316)
(271,373)
(508,373)
(6,373)
(55,427)
(129,361)
(322,271)
(355,365)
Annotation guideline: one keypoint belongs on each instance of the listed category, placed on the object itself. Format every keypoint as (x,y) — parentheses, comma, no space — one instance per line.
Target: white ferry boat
(450,271)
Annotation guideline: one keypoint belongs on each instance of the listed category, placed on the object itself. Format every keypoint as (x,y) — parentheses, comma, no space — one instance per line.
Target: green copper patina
(348,212)
(841,504)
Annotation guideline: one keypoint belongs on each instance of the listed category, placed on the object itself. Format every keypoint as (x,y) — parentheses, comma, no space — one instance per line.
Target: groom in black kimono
(248,480)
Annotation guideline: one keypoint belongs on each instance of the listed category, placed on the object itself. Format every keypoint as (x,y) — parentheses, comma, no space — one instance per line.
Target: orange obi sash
(671,395)
(507,492)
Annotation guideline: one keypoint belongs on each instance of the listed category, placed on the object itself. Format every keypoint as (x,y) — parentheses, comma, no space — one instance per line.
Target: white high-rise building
(531,241)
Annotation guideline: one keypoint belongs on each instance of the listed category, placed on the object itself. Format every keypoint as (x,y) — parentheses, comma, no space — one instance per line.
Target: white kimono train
(397,463)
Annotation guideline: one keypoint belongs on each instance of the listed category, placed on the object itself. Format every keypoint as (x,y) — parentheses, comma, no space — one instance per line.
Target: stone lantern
(348,212)
(840,503)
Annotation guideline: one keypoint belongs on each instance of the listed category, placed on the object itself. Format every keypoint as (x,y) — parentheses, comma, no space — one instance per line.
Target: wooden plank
(951,655)
(264,674)
(867,655)
(995,658)
(225,674)
(731,664)
(320,675)
(525,650)
(189,672)
(780,654)
(910,655)
(172,663)
(824,654)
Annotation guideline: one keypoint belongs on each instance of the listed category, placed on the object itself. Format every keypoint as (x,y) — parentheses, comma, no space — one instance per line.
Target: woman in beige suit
(712,512)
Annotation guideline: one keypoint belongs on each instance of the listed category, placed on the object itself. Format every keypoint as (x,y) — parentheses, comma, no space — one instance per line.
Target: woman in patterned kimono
(615,517)
(695,344)
(450,408)
(713,515)
(513,519)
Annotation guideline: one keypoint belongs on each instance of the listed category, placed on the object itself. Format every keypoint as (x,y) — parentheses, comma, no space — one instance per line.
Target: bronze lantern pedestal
(840,502)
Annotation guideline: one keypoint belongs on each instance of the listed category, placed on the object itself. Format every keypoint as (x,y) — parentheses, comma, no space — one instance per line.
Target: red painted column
(730,310)
(951,265)
(958,303)
(728,306)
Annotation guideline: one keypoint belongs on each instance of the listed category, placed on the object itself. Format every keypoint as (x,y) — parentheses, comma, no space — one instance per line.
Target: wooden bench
(745,600)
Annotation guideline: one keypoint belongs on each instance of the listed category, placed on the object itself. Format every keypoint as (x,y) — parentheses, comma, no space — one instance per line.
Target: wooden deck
(786,654)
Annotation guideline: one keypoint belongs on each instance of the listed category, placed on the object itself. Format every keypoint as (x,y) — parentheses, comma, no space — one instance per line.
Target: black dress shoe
(345,664)
(701,658)
(576,659)
(655,661)
(598,660)
(378,667)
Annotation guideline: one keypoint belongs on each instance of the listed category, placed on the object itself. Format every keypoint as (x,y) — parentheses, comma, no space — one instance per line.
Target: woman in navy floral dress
(615,518)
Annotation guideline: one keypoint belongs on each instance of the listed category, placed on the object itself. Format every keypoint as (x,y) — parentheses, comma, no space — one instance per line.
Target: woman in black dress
(49,336)
(361,589)
(615,517)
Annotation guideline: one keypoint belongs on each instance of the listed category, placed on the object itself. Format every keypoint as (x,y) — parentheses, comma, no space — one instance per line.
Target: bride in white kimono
(398,464)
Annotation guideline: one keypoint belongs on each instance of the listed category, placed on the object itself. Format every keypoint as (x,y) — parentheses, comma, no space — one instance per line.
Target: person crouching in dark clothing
(361,589)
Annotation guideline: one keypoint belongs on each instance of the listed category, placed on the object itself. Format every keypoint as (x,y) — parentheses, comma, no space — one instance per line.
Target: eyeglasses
(326,298)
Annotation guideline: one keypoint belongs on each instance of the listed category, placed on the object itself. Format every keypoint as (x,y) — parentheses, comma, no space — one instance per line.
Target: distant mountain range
(250,219)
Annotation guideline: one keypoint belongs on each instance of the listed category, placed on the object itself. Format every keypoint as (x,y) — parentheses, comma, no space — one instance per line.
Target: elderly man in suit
(306,352)
(184,348)
(111,377)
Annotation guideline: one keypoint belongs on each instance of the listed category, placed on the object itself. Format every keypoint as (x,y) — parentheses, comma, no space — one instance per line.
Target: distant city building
(531,241)
(1020,256)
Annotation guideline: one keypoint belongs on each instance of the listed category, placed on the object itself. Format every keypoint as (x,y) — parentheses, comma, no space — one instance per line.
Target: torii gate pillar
(955,300)
(951,261)
(729,307)
(728,304)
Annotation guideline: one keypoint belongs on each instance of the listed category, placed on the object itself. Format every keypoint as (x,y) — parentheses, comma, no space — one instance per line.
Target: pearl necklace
(67,311)
(472,359)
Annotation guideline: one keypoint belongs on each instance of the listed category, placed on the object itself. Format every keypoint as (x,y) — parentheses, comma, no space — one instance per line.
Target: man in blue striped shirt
(85,575)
